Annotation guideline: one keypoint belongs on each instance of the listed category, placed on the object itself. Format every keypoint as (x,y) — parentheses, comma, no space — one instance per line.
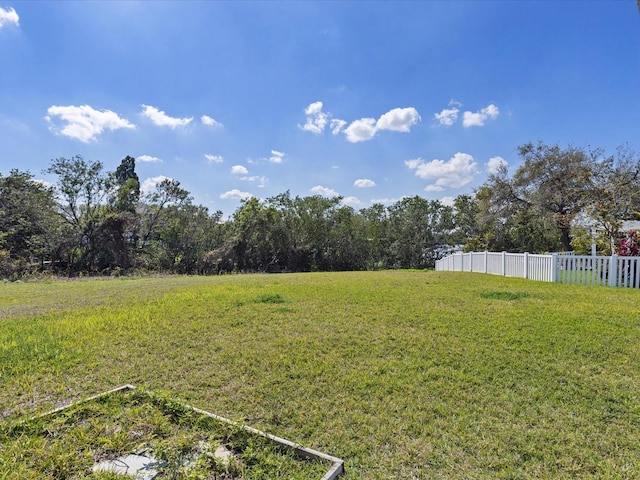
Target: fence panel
(478,262)
(514,266)
(495,263)
(541,268)
(584,270)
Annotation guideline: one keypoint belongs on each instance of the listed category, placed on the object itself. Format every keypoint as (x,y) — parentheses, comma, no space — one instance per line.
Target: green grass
(68,443)
(401,374)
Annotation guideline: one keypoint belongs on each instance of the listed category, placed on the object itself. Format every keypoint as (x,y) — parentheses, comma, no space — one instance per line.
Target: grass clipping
(182,441)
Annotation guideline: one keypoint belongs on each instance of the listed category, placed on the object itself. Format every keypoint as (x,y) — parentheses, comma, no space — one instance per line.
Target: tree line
(98,222)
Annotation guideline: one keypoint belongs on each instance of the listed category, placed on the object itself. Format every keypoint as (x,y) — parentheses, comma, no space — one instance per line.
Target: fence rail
(613,271)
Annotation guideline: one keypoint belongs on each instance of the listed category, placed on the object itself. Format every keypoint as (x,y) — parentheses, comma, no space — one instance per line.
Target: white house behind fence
(613,271)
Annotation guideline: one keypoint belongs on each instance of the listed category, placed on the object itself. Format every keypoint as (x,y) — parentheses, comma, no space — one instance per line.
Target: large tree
(127,194)
(555,181)
(615,193)
(420,232)
(28,221)
(549,188)
(83,188)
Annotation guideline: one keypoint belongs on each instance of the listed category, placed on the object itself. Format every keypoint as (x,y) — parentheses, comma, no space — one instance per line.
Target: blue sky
(372,101)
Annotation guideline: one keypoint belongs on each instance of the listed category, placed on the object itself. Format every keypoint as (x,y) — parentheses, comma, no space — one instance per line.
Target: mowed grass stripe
(404,374)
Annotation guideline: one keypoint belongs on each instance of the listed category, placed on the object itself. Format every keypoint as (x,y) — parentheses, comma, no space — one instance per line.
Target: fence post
(486,255)
(526,265)
(504,264)
(613,271)
(554,267)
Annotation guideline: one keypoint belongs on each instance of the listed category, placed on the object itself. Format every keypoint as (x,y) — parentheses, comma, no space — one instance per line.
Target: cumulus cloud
(148,158)
(259,181)
(324,191)
(207,120)
(316,118)
(447,201)
(361,130)
(364,183)
(495,163)
(161,119)
(385,201)
(337,126)
(44,183)
(276,156)
(150,184)
(213,158)
(239,170)
(396,120)
(477,119)
(447,116)
(8,17)
(456,172)
(236,194)
(352,201)
(84,123)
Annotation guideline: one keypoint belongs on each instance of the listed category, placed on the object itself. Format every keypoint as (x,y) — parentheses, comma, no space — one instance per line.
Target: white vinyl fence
(613,271)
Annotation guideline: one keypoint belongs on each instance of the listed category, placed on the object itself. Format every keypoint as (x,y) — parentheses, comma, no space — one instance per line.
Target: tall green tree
(188,233)
(155,217)
(83,188)
(254,244)
(127,182)
(615,192)
(555,181)
(375,221)
(421,232)
(29,223)
(348,248)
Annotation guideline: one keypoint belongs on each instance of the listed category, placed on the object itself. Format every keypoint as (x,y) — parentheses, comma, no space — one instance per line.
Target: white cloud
(454,173)
(447,116)
(84,123)
(396,120)
(385,201)
(276,156)
(236,194)
(324,191)
(239,170)
(361,130)
(161,119)
(337,126)
(447,201)
(364,183)
(316,118)
(477,119)
(259,181)
(8,16)
(494,164)
(148,158)
(213,158)
(352,201)
(207,120)
(149,184)
(44,183)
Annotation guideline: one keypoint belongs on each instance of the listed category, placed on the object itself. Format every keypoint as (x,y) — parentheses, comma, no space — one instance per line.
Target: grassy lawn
(401,374)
